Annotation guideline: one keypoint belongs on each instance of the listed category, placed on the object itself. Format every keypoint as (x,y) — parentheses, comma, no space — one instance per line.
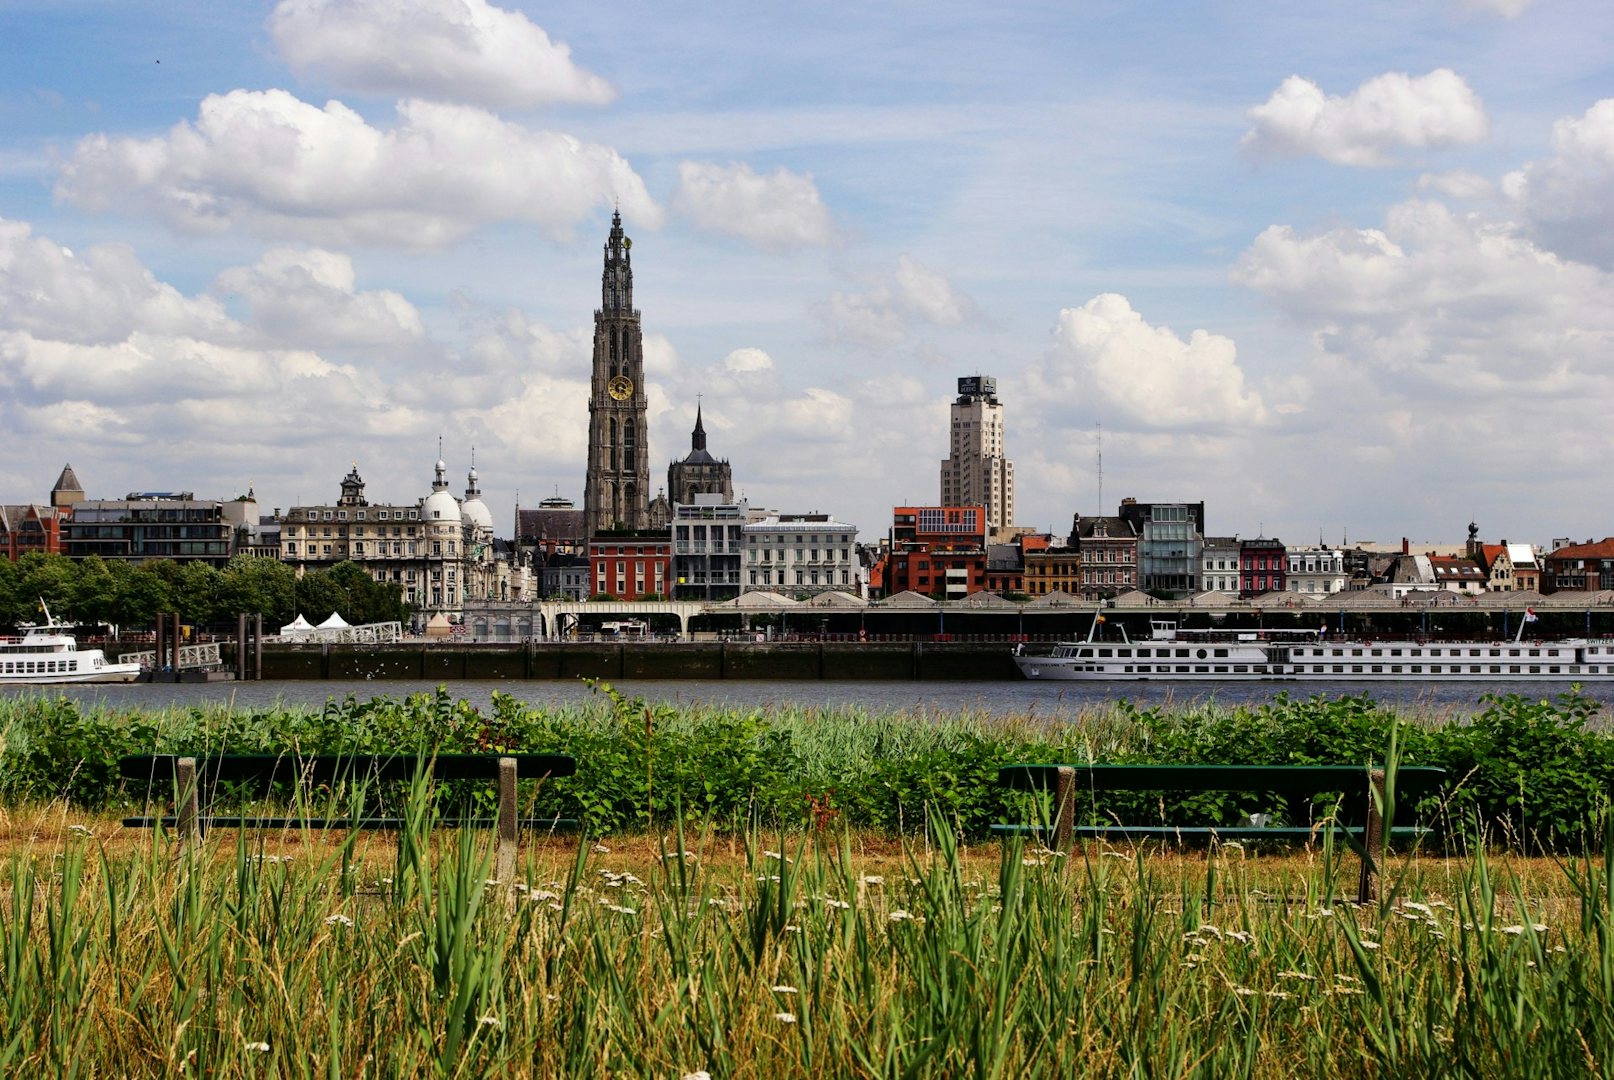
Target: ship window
(1535,669)
(1339,669)
(1395,652)
(1553,670)
(1378,652)
(1221,652)
(1473,652)
(1144,652)
(1106,652)
(1240,669)
(1183,653)
(1513,669)
(1182,669)
(1201,654)
(1434,669)
(1202,668)
(1496,669)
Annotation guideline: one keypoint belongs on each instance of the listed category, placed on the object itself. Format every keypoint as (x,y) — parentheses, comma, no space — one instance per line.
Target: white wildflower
(259,1047)
(1300,975)
(1369,944)
(80,830)
(900,916)
(538,895)
(785,1017)
(1243,991)
(698,1074)
(600,849)
(839,905)
(872,879)
(488,1021)
(1281,995)
(1421,909)
(335,920)
(782,989)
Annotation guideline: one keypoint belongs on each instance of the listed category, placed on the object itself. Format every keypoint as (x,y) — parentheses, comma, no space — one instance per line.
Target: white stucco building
(800,554)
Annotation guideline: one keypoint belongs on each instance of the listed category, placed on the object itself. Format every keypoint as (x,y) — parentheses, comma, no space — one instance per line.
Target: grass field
(756,955)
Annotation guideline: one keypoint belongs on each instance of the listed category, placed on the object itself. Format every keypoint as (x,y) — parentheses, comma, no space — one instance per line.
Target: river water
(1045,699)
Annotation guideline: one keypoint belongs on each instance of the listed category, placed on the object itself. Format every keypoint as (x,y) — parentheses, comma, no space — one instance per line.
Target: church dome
(477,514)
(440,506)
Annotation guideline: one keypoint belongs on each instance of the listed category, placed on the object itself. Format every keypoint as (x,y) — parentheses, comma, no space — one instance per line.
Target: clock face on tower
(620,387)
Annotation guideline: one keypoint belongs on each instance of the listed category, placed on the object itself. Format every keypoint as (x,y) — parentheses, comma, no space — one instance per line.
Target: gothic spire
(697,438)
(616,287)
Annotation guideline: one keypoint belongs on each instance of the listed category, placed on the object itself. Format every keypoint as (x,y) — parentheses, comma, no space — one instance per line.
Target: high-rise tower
(616,490)
(976,472)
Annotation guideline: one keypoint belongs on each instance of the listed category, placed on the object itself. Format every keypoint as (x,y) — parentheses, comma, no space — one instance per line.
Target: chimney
(1405,547)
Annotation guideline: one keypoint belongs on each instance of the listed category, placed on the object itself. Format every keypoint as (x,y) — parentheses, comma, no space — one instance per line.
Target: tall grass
(791,960)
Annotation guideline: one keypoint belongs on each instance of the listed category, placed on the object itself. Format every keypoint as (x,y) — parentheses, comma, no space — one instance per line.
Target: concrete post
(257,647)
(1372,838)
(186,800)
(1064,807)
(508,842)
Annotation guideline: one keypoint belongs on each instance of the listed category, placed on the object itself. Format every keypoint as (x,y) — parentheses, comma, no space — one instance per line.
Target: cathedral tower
(700,472)
(615,492)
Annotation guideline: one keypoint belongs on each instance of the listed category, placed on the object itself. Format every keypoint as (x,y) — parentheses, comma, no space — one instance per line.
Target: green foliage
(1521,772)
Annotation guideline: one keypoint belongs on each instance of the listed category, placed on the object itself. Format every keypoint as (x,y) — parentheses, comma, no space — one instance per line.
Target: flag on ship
(1529,614)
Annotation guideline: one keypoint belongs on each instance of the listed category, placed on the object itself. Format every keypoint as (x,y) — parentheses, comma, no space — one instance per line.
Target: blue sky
(1332,268)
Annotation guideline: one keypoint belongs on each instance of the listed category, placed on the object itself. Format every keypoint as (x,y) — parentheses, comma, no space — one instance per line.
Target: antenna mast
(1099,428)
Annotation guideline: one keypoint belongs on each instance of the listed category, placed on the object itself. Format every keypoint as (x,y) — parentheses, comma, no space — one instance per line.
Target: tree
(196,589)
(47,578)
(94,591)
(140,595)
(257,586)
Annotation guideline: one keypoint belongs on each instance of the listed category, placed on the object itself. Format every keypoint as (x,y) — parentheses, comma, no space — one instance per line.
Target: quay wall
(639,660)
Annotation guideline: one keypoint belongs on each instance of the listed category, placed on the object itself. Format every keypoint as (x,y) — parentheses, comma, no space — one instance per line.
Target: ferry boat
(47,653)
(1307,655)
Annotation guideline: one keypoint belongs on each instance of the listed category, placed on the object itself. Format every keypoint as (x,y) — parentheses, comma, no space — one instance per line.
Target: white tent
(335,622)
(296,628)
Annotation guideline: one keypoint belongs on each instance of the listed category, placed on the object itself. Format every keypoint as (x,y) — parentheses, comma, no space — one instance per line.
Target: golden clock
(620,387)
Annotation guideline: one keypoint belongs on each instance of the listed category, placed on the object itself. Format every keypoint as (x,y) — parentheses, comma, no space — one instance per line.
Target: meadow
(805,894)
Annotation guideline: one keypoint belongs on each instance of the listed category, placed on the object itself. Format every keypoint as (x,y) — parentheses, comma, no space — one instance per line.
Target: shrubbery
(1526,771)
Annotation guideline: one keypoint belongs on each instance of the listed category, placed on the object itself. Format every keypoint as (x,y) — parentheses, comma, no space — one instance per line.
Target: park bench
(1360,819)
(197,781)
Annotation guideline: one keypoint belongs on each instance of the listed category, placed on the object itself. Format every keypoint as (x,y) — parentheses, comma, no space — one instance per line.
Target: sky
(1339,270)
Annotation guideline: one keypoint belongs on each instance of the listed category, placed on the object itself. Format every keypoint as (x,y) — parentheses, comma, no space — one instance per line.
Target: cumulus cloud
(451,50)
(309,296)
(1148,374)
(97,298)
(1440,301)
(748,359)
(779,210)
(274,165)
(1386,113)
(1568,199)
(883,315)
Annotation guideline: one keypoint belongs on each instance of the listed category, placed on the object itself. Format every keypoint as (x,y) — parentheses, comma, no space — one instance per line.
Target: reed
(792,958)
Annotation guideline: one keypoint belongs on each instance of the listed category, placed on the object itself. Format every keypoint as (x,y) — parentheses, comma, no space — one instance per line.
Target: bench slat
(379,823)
(330,768)
(1278,779)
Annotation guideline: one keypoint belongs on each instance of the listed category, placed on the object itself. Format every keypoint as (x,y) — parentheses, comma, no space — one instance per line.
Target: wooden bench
(1360,818)
(196,781)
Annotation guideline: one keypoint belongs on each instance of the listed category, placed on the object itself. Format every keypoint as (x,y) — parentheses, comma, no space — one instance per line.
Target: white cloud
(778,211)
(97,298)
(748,360)
(273,165)
(1147,374)
(1568,199)
(1439,305)
(1457,184)
(1508,9)
(308,296)
(1386,113)
(883,314)
(452,50)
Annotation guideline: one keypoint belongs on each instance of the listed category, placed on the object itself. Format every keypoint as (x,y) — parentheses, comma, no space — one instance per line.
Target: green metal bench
(1360,820)
(195,782)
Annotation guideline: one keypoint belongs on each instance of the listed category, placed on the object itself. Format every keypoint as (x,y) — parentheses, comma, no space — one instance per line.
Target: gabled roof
(1134,599)
(983,599)
(1059,599)
(908,599)
(836,599)
(1602,549)
(1489,553)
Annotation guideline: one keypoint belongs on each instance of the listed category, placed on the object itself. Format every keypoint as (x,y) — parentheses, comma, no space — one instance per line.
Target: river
(1046,699)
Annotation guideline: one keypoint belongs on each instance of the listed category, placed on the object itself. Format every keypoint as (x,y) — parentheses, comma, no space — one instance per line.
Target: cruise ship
(47,653)
(1180,655)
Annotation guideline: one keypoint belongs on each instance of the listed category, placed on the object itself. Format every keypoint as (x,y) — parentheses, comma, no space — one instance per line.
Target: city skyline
(1338,271)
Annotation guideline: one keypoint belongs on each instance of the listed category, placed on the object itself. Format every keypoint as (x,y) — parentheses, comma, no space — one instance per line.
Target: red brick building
(1587,567)
(937,550)
(631,565)
(27,527)
(1262,566)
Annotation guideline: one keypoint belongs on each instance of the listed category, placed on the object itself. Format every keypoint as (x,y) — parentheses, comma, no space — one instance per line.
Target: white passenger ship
(1305,655)
(47,653)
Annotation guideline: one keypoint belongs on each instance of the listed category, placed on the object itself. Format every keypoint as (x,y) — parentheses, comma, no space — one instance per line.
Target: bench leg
(1372,838)
(507,820)
(1064,807)
(186,800)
